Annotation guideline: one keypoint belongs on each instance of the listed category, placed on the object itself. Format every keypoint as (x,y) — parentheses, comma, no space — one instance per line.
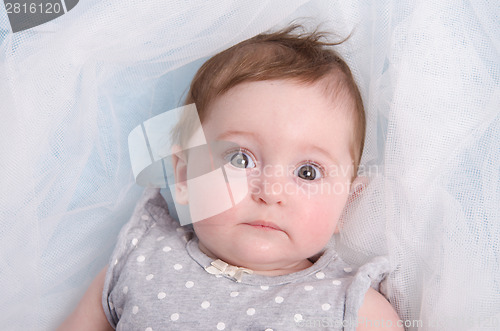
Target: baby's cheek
(319,223)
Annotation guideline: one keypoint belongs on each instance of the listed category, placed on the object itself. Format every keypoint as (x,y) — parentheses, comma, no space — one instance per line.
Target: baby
(293,121)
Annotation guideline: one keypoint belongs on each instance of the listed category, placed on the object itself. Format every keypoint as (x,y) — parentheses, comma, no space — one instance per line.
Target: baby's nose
(269,187)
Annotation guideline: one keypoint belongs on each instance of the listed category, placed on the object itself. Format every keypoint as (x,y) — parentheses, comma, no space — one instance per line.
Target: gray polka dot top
(158,279)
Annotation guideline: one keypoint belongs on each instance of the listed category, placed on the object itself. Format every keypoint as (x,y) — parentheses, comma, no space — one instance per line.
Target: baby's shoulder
(152,210)
(150,227)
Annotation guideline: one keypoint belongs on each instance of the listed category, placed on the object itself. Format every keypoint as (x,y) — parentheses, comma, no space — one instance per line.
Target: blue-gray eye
(308,172)
(240,159)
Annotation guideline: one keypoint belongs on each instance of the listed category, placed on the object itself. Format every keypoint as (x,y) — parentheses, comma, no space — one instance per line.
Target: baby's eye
(309,171)
(240,159)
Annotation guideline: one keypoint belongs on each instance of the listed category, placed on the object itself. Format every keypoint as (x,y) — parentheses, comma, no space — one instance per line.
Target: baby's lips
(265,224)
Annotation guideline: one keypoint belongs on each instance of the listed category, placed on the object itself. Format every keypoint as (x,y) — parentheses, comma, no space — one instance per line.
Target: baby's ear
(357,186)
(179,163)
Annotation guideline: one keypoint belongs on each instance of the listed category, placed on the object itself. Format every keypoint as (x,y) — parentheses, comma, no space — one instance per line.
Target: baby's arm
(376,313)
(89,314)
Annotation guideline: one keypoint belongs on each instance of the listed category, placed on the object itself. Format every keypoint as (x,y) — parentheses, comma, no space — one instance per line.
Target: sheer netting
(73,88)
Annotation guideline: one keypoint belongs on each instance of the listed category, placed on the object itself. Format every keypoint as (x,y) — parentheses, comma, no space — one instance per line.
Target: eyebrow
(324,152)
(231,133)
(314,148)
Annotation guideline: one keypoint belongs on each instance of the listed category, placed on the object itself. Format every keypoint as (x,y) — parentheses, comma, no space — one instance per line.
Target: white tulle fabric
(72,89)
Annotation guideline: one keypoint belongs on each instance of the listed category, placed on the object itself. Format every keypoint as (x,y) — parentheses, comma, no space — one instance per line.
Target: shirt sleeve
(150,207)
(368,275)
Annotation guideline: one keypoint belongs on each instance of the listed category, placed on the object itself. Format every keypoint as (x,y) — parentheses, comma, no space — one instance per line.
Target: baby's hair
(306,58)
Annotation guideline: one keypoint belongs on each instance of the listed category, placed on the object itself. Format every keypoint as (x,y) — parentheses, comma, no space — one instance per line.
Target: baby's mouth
(264,225)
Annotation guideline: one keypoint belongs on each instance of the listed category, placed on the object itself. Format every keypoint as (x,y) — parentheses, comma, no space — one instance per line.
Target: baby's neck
(284,270)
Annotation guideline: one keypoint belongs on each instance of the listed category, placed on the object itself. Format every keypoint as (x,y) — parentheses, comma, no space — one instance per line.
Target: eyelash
(314,163)
(241,149)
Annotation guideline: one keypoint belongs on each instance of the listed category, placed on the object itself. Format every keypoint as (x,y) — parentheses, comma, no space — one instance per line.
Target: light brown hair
(282,55)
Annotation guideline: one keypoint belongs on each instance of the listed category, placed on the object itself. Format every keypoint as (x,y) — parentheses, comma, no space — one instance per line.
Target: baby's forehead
(285,105)
(333,92)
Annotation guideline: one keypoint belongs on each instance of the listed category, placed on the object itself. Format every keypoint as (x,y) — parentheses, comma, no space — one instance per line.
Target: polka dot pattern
(165,274)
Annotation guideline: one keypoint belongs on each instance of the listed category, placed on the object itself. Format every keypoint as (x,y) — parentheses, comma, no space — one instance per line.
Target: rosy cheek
(323,217)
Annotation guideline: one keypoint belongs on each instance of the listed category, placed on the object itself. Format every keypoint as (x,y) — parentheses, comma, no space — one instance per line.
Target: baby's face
(294,146)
